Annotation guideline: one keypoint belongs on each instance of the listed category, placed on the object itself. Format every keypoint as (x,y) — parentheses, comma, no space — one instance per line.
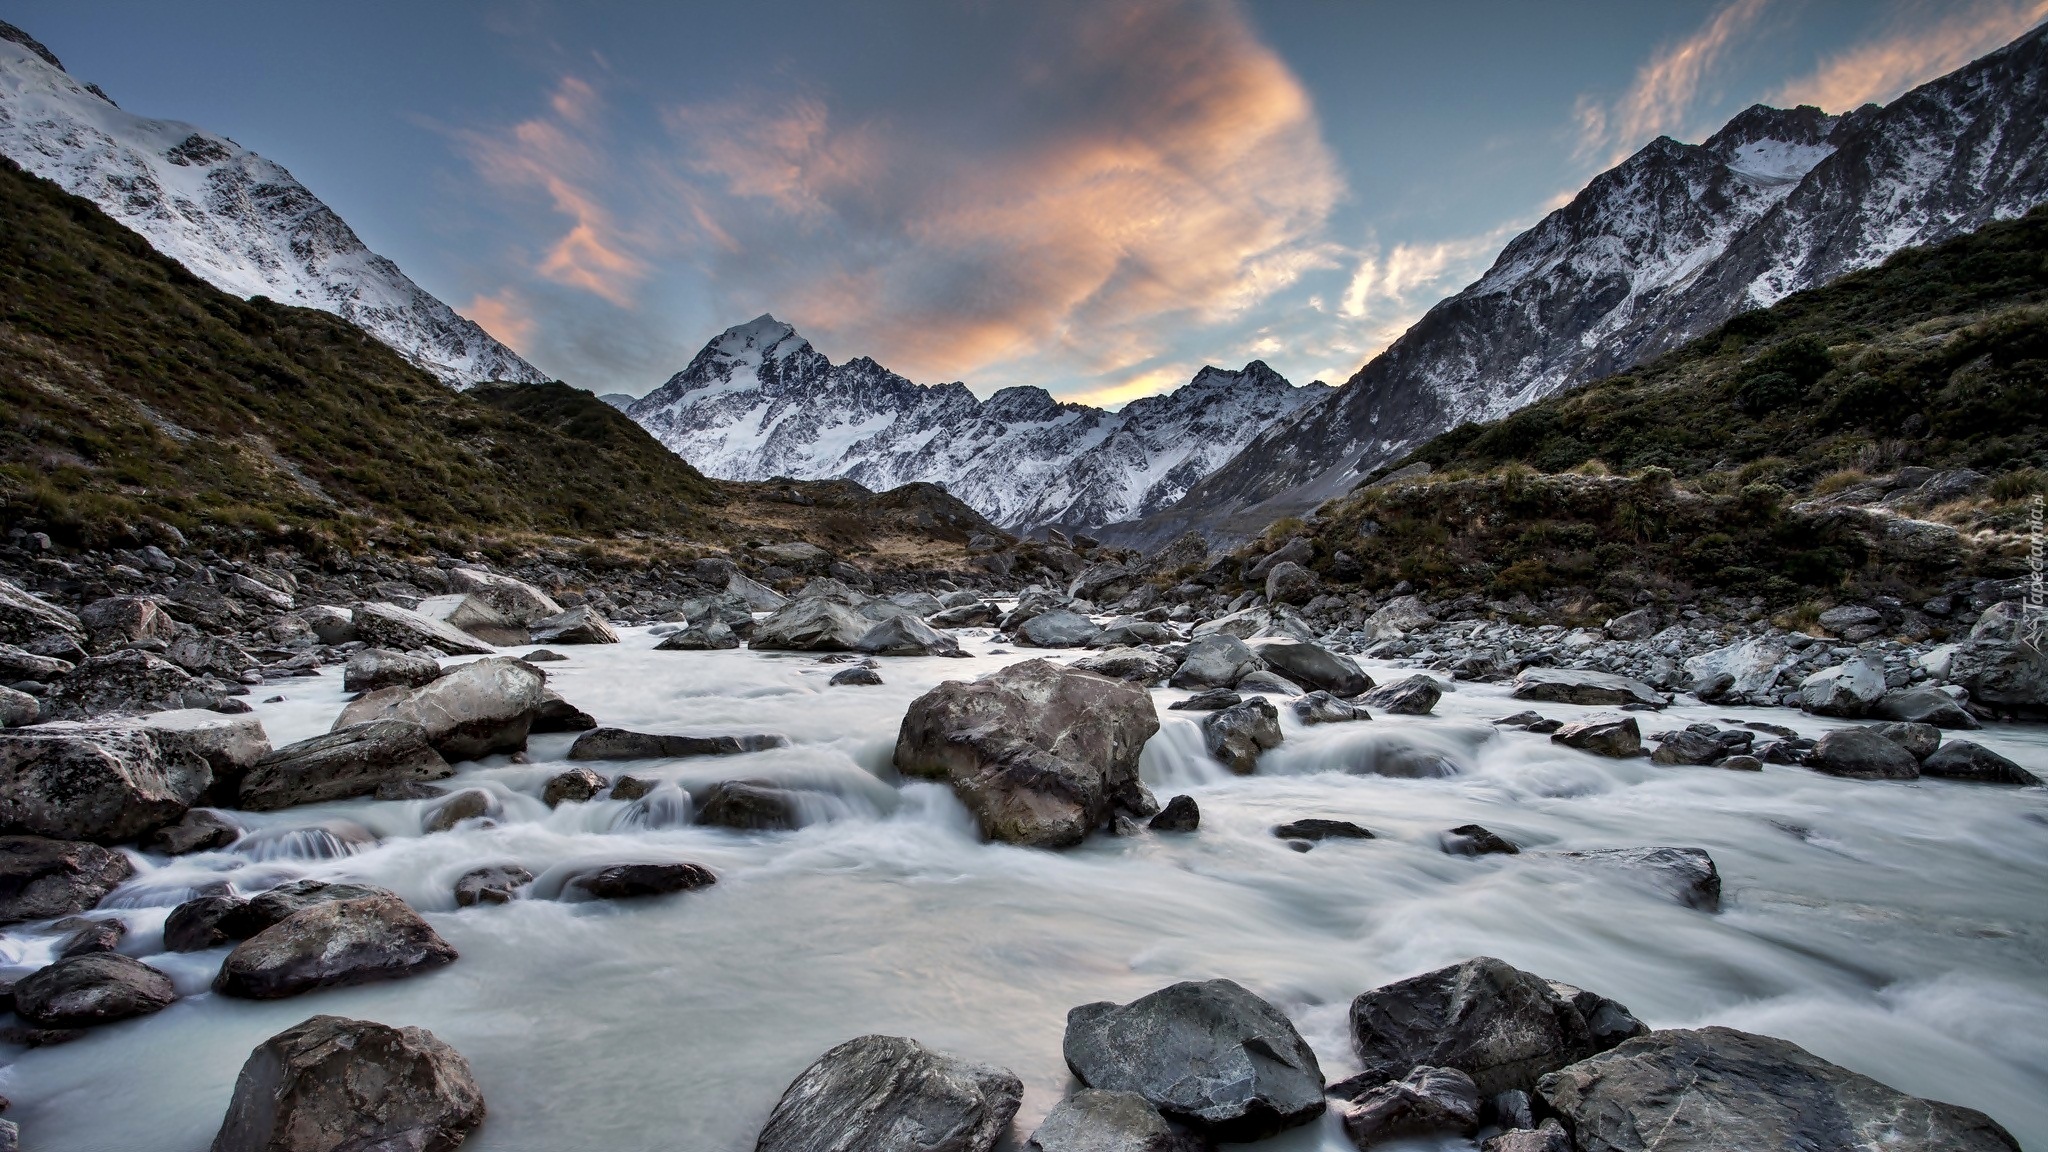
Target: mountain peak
(10,32)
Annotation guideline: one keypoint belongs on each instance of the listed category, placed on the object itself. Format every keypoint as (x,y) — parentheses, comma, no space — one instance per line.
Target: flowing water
(1898,929)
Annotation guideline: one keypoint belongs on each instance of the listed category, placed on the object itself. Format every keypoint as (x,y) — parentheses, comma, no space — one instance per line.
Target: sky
(1096,198)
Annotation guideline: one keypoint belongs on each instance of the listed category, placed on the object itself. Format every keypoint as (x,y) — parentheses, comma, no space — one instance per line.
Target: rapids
(1898,929)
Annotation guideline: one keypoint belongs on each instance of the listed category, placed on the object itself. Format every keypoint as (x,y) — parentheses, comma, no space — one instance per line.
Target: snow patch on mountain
(233,218)
(760,402)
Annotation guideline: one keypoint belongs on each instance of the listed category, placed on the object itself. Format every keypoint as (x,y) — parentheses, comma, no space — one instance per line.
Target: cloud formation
(1910,53)
(1667,88)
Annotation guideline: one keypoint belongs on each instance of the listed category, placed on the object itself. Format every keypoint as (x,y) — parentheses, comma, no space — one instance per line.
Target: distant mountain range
(759,402)
(1654,252)
(232,218)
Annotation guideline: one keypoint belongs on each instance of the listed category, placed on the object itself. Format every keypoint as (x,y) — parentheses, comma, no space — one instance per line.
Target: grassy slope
(1937,358)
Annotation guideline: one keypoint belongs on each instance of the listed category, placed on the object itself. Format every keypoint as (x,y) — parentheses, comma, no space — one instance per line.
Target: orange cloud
(1880,69)
(1665,87)
(554,154)
(504,315)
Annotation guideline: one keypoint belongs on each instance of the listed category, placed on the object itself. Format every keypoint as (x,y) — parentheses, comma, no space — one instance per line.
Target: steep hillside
(233,218)
(760,401)
(1660,249)
(138,395)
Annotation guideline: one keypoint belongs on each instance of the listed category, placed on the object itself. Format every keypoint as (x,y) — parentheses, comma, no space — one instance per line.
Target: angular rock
(624,881)
(1401,615)
(125,681)
(1716,1088)
(1963,760)
(906,635)
(1040,753)
(558,715)
(964,616)
(96,988)
(199,830)
(1750,666)
(812,624)
(620,744)
(747,805)
(42,879)
(1137,665)
(758,597)
(1923,706)
(1548,1136)
(18,664)
(468,804)
(107,785)
(517,601)
(2008,678)
(286,900)
(1640,624)
(860,675)
(1919,739)
(330,945)
(1686,874)
(119,620)
(1266,681)
(25,617)
(1289,583)
(890,1094)
(93,936)
(1476,840)
(704,636)
(1687,747)
(1862,754)
(1209,1054)
(389,626)
(1092,1120)
(470,711)
(473,615)
(1237,734)
(1323,708)
(1849,689)
(1415,696)
(350,761)
(1217,660)
(205,922)
(1181,814)
(497,884)
(572,787)
(1499,1025)
(330,625)
(579,625)
(1058,628)
(1311,665)
(369,669)
(1616,736)
(1575,686)
(330,1084)
(1424,1102)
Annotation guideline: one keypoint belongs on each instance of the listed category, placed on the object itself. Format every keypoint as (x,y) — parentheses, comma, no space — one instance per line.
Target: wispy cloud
(1667,88)
(1915,49)
(505,315)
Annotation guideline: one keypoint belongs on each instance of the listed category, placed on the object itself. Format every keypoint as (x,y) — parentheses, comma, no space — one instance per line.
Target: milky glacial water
(1898,929)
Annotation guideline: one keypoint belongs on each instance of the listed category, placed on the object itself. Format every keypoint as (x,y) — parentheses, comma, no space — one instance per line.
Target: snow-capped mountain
(759,401)
(236,220)
(1652,253)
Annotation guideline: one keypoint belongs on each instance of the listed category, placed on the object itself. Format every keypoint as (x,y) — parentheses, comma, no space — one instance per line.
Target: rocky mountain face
(760,402)
(231,217)
(1653,253)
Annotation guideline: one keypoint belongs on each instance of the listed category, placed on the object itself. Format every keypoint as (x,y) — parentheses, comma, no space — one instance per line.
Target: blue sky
(1096,198)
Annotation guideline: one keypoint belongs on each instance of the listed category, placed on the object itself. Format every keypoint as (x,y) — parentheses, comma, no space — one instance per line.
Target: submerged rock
(812,624)
(1311,665)
(1209,1054)
(890,1094)
(331,944)
(747,805)
(620,744)
(1687,874)
(97,988)
(1041,754)
(199,830)
(622,881)
(1180,815)
(331,1084)
(369,669)
(1499,1025)
(1711,1089)
(496,884)
(858,676)
(1476,840)
(1237,734)
(1316,828)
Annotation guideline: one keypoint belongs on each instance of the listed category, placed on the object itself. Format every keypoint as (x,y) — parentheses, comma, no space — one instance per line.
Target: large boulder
(1237,734)
(620,744)
(1093,1120)
(1058,628)
(1041,754)
(1862,754)
(18,708)
(702,636)
(42,879)
(515,600)
(2009,678)
(1209,1054)
(1923,706)
(811,624)
(330,1084)
(1712,1089)
(1848,689)
(1963,760)
(579,625)
(1188,550)
(1311,665)
(204,655)
(96,988)
(129,680)
(389,626)
(906,635)
(369,669)
(1216,660)
(25,617)
(1426,1102)
(756,595)
(1400,616)
(1751,665)
(1501,1026)
(106,785)
(118,620)
(890,1094)
(1582,686)
(332,944)
(748,806)
(1289,583)
(1414,696)
(470,711)
(1615,736)
(1137,665)
(472,614)
(350,761)
(199,830)
(18,664)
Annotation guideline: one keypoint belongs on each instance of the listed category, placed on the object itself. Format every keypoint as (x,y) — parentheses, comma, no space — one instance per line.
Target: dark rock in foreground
(332,944)
(1476,840)
(1209,1054)
(43,879)
(352,761)
(96,988)
(890,1094)
(620,744)
(1862,754)
(623,881)
(1237,734)
(332,1084)
(1717,1088)
(1963,760)
(1424,1102)
(747,805)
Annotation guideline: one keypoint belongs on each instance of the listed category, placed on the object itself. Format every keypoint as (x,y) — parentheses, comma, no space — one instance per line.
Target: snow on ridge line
(233,218)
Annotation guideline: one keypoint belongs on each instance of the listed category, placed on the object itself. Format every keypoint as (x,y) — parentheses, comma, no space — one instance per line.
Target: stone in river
(330,1084)
(891,1094)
